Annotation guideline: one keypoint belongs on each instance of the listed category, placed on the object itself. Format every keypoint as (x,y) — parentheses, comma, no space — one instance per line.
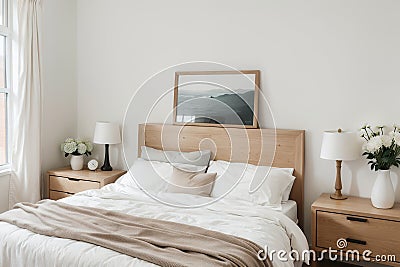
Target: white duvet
(267,228)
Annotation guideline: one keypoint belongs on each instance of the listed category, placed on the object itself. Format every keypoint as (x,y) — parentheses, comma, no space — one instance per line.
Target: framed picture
(217,98)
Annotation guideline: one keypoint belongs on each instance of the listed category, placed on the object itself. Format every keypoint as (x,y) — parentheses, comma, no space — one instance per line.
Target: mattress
(289,208)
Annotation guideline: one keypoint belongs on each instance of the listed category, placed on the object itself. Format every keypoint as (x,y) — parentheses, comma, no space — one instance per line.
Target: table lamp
(106,133)
(340,145)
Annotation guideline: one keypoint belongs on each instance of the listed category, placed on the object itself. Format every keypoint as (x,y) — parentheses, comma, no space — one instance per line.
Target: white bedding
(20,247)
(289,208)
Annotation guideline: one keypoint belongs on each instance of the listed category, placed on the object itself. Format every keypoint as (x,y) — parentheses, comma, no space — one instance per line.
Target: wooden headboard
(279,148)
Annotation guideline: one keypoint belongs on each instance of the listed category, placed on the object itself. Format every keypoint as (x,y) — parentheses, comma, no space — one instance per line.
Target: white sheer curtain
(26,105)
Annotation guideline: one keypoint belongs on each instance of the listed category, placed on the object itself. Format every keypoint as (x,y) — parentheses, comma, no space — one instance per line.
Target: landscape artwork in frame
(217,98)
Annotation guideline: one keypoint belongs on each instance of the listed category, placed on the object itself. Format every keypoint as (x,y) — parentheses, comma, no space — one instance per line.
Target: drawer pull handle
(355,219)
(356,241)
(73,179)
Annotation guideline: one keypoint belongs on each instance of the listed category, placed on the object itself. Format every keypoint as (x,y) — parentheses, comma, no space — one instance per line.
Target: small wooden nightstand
(359,223)
(66,182)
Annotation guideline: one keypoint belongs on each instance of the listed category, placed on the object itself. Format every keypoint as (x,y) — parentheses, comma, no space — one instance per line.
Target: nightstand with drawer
(66,182)
(356,221)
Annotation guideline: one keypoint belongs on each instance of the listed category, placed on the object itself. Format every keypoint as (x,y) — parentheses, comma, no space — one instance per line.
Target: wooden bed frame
(282,148)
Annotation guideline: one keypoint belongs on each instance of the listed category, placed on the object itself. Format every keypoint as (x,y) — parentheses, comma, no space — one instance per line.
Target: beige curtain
(26,105)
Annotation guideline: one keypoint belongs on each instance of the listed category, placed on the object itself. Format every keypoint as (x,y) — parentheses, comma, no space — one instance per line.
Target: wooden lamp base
(338,184)
(336,196)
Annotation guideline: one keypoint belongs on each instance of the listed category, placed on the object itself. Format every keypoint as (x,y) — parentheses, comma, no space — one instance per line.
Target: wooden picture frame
(217,98)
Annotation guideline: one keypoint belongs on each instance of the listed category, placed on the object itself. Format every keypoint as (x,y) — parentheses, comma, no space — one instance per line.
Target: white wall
(325,64)
(59,79)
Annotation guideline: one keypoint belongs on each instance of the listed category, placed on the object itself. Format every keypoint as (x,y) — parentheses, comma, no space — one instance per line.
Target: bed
(275,230)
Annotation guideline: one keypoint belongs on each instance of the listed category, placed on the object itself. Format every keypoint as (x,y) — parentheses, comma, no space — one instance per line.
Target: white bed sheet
(289,208)
(20,247)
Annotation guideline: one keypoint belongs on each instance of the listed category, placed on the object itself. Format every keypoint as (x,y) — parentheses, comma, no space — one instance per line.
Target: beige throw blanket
(160,242)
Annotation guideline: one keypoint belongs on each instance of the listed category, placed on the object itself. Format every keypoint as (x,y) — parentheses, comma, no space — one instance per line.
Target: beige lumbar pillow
(194,183)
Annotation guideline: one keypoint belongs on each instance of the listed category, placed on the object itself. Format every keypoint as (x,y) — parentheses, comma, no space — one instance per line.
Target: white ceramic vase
(76,162)
(382,195)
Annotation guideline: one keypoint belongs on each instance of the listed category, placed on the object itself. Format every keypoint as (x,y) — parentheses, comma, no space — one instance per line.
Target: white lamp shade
(106,133)
(340,146)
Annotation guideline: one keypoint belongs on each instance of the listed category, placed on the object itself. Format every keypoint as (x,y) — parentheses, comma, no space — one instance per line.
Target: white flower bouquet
(382,150)
(76,147)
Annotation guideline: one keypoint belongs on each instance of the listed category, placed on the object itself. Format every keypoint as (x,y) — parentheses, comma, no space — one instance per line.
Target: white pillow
(151,175)
(229,175)
(269,185)
(245,178)
(286,193)
(198,158)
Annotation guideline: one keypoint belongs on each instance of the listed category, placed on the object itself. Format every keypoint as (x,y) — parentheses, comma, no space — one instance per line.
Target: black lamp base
(106,166)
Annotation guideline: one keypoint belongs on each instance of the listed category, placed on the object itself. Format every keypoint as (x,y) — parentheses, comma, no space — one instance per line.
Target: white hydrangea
(89,146)
(78,141)
(374,144)
(81,148)
(78,145)
(386,140)
(69,140)
(70,147)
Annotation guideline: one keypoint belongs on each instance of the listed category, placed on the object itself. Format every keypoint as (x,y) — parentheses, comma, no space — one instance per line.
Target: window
(5,57)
